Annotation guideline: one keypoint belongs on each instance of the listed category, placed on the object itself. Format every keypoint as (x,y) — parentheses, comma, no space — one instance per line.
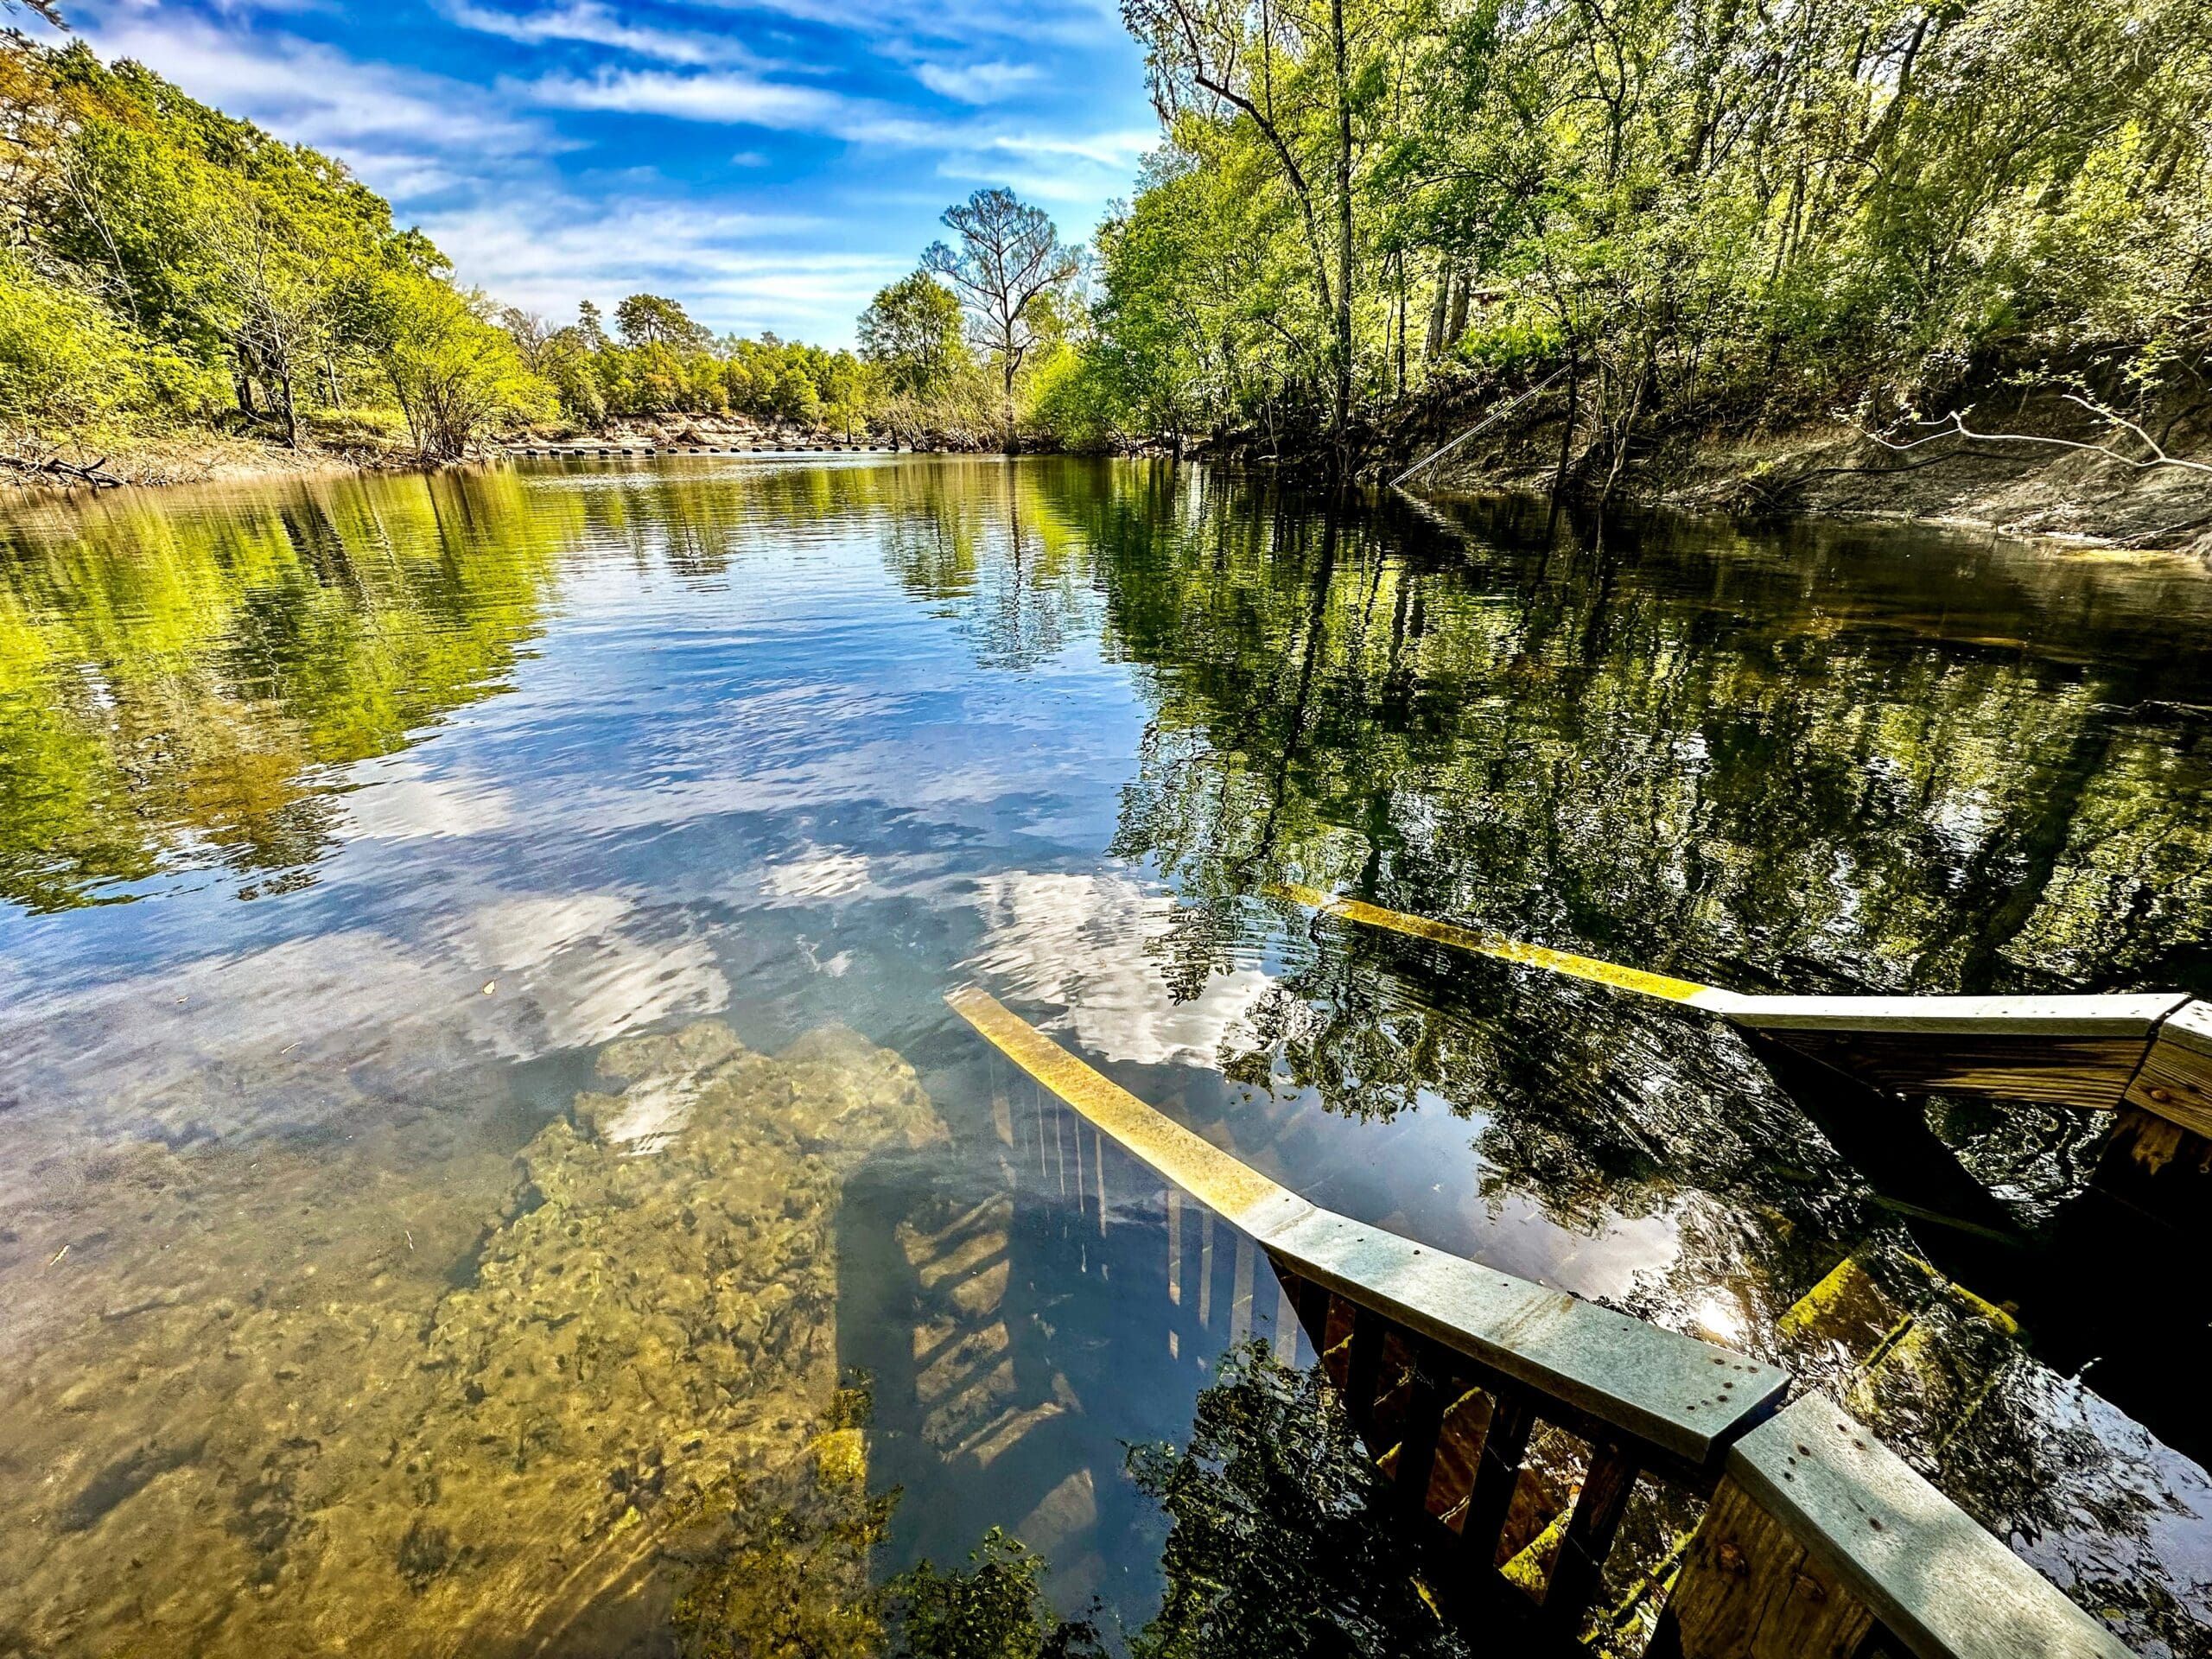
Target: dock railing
(2149,1050)
(1817,1541)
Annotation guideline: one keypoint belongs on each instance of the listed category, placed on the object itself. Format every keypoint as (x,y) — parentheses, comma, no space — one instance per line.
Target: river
(486,1166)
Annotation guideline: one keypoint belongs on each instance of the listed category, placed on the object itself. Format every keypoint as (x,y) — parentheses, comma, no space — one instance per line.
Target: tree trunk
(1461,293)
(1438,311)
(1566,432)
(1343,413)
(1401,325)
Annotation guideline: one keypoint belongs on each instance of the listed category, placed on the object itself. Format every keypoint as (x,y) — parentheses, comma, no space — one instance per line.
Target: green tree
(1010,256)
(455,372)
(649,319)
(911,332)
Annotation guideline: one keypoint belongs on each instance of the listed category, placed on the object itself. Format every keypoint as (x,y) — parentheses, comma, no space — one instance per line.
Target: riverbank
(2040,465)
(2027,486)
(208,457)
(192,458)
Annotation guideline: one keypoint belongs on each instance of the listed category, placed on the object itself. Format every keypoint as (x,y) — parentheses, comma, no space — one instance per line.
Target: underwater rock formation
(641,1346)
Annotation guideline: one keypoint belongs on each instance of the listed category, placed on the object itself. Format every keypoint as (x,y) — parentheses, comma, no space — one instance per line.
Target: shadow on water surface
(411,1239)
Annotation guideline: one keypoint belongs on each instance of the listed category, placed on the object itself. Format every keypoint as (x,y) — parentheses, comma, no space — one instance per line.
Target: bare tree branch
(1954,426)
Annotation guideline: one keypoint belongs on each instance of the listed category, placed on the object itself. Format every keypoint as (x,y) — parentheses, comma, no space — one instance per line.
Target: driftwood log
(54,468)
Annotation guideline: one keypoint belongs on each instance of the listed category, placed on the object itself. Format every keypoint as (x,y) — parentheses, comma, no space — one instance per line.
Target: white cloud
(1079,941)
(976,83)
(311,93)
(547,251)
(590,23)
(733,97)
(737,98)
(900,28)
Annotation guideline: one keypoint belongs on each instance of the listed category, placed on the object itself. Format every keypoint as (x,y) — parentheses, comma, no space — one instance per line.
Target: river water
(486,1166)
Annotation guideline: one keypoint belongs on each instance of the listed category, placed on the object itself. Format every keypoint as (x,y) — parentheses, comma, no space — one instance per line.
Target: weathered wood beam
(1820,1531)
(2175,1080)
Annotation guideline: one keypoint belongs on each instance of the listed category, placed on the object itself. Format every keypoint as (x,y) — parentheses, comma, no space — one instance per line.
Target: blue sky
(769,162)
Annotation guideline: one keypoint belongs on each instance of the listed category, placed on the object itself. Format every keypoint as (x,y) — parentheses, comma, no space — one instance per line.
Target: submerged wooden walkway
(1815,1541)
(2149,1050)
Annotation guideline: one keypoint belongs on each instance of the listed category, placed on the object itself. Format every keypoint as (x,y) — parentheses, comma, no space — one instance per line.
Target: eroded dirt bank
(2034,481)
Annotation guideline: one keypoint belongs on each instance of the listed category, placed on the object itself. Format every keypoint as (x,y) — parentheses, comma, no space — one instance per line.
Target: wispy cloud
(313,93)
(588,23)
(737,272)
(949,22)
(735,98)
(976,83)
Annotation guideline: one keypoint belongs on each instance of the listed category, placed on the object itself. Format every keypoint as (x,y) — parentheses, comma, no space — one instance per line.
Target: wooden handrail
(1678,1397)
(2153,1050)
(1816,1535)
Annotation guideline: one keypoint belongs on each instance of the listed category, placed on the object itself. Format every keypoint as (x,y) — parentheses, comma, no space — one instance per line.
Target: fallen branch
(1430,461)
(54,467)
(1954,426)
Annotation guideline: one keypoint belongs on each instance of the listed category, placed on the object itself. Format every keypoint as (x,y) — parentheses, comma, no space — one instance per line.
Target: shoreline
(2025,488)
(2074,503)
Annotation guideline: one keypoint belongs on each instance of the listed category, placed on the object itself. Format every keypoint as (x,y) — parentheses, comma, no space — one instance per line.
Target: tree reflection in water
(1840,760)
(1822,761)
(1281,1540)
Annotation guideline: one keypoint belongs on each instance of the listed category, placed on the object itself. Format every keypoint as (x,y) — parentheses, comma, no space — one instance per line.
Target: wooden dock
(2151,1050)
(1815,1541)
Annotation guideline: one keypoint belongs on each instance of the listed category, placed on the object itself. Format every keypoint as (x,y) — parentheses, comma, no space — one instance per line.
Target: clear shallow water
(474,1084)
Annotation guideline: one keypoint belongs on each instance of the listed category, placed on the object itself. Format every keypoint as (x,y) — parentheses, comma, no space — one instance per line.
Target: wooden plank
(1432,1394)
(1233,1191)
(1747,1592)
(2129,1015)
(1664,986)
(2175,1081)
(1497,1471)
(2088,1072)
(2126,1014)
(1922,1567)
(1588,1540)
(1313,1302)
(1683,1397)
(1368,1330)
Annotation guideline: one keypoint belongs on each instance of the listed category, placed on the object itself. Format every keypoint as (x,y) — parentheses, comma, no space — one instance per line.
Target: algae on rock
(642,1344)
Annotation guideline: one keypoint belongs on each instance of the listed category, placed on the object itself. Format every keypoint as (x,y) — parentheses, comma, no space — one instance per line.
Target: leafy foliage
(1691,208)
(997,1610)
(666,362)
(169,262)
(1281,1540)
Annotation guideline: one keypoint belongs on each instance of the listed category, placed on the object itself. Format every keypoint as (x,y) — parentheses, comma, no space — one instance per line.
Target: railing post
(1747,1588)
(1580,1564)
(1819,1534)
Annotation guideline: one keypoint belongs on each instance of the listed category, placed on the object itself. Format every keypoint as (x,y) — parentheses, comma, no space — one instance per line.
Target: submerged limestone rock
(645,1335)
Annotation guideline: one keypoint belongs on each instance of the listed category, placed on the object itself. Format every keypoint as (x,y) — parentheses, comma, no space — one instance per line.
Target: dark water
(478,1129)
